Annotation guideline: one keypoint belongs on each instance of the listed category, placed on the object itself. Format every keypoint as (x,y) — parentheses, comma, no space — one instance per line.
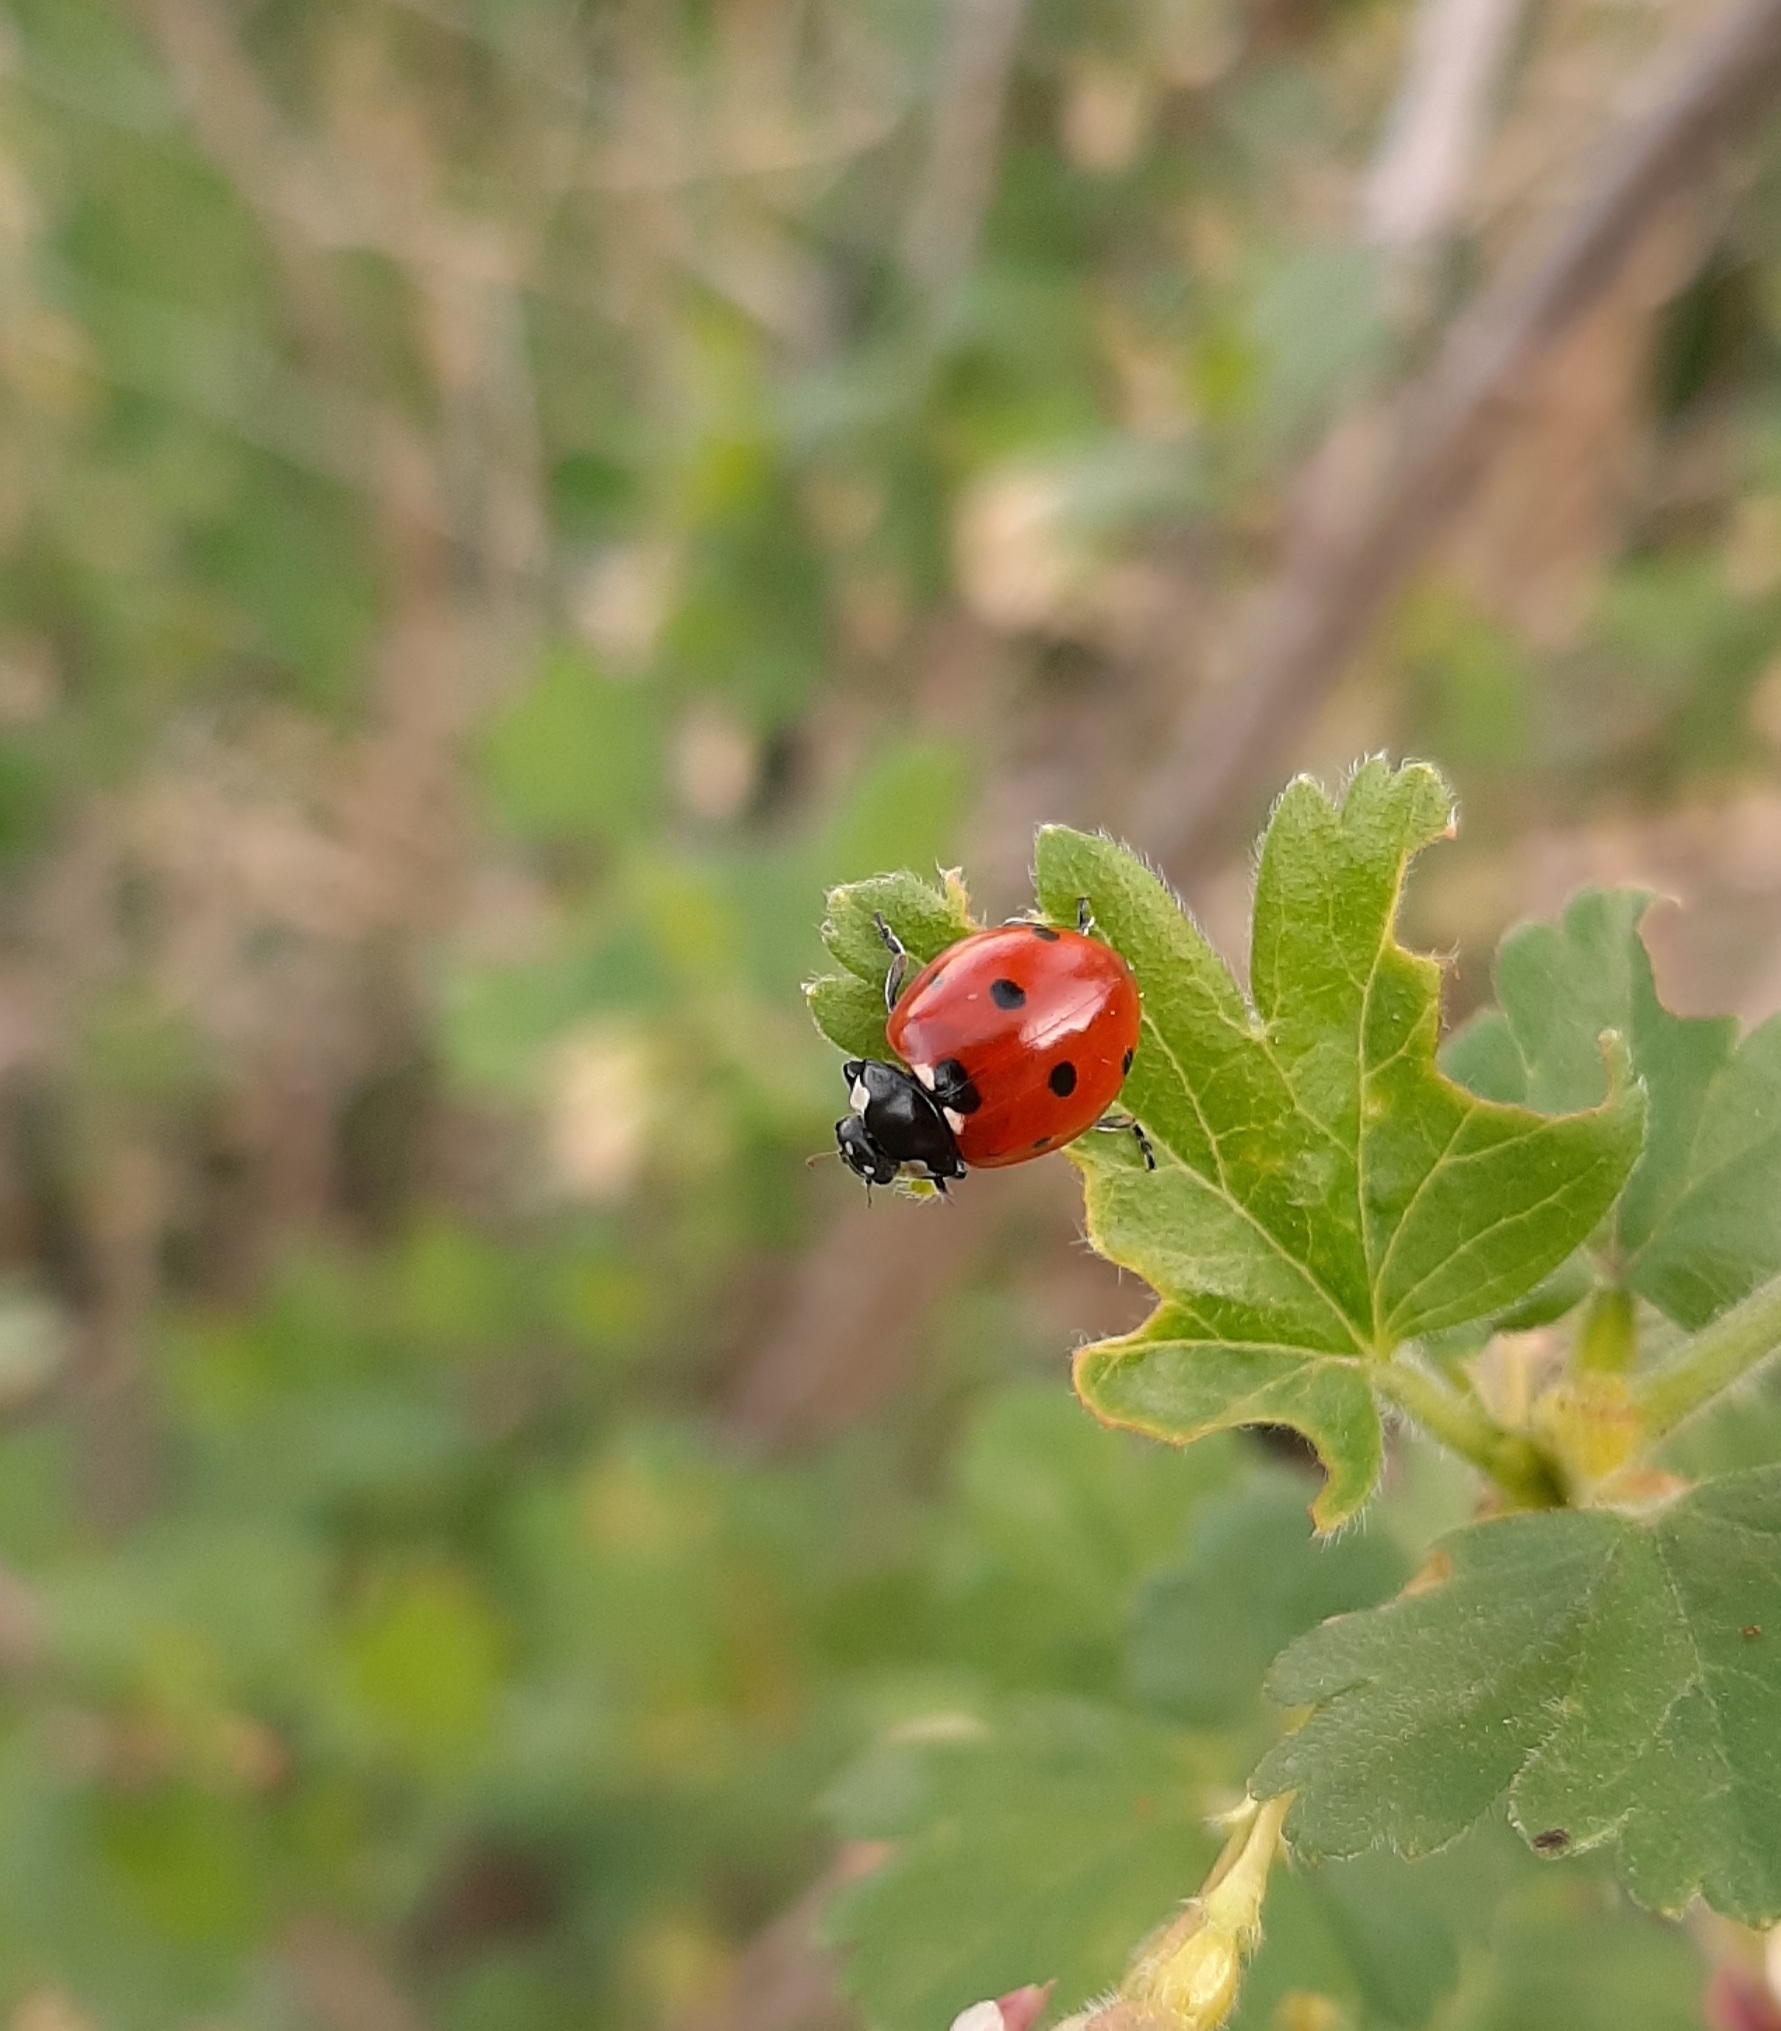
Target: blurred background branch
(1352,548)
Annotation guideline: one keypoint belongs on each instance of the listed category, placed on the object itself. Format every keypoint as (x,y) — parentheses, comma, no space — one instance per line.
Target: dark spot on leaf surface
(1007,994)
(1063,1079)
(1553,1841)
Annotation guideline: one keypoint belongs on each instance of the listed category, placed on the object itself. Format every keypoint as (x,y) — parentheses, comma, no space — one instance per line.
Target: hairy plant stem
(1607,1340)
(1708,1365)
(1510,1459)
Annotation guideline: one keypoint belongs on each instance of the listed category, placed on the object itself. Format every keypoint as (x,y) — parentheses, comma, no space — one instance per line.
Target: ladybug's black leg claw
(899,965)
(1085,917)
(1125,1124)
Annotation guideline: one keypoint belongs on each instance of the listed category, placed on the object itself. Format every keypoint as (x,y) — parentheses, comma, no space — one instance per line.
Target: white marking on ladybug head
(925,1073)
(860,1098)
(954,1120)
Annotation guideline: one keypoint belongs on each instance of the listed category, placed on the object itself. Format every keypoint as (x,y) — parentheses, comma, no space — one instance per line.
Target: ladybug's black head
(894,1121)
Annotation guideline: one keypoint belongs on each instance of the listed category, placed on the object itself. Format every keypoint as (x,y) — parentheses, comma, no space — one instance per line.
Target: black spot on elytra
(1007,994)
(1063,1079)
(1125,1064)
(1044,1142)
(953,1088)
(1553,1841)
(1046,932)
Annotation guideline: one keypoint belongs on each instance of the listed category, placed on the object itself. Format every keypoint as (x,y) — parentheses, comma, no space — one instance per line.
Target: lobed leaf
(1324,1193)
(1617,1678)
(1699,1225)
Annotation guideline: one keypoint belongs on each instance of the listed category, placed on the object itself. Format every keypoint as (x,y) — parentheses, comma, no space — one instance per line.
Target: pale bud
(1187,1977)
(1191,1978)
(1019,2010)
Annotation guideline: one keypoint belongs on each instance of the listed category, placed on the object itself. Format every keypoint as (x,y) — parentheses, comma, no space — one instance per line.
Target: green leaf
(1323,1193)
(1053,1523)
(1616,1677)
(1172,1380)
(1205,1629)
(849,1007)
(1038,1844)
(1699,1225)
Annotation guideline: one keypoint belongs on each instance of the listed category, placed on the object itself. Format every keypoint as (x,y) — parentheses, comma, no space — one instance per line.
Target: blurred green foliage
(497,514)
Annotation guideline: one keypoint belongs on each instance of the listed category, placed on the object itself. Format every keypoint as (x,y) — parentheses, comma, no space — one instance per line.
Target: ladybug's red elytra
(1013,1041)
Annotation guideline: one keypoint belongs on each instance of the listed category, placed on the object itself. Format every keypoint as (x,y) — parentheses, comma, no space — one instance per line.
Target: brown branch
(1342,571)
(1420,175)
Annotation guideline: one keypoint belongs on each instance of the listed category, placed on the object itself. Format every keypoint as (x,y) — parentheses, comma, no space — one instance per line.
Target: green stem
(1608,1337)
(1711,1362)
(1513,1462)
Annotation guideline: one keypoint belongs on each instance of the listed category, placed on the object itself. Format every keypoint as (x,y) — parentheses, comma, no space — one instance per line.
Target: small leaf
(1323,1192)
(1617,1678)
(849,1007)
(926,918)
(849,1013)
(1699,1225)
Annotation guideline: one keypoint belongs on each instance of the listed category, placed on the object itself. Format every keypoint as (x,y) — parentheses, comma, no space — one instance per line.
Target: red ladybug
(1015,1040)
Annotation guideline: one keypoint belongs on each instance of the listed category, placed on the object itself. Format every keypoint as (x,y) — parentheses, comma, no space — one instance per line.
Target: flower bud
(1019,2010)
(1190,1978)
(1187,1977)
(1738,2001)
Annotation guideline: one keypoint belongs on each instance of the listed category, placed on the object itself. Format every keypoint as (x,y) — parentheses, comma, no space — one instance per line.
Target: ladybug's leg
(1085,917)
(1126,1124)
(899,965)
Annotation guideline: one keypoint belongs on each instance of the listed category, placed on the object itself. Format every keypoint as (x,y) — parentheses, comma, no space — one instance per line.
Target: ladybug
(1013,1041)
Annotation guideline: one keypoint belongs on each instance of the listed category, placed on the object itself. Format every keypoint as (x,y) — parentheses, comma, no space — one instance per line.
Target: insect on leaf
(1323,1192)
